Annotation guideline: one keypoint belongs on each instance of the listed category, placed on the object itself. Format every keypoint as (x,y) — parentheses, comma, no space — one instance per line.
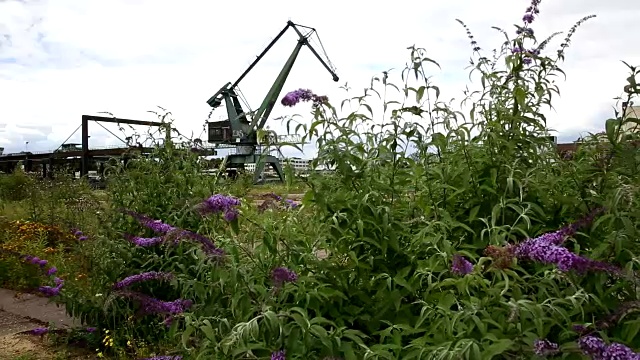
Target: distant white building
(300,166)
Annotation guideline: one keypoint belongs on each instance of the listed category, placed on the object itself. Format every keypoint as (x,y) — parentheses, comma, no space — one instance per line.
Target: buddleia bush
(441,234)
(453,234)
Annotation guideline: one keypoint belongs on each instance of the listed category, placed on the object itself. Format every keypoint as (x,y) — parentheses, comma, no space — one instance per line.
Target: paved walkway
(22,312)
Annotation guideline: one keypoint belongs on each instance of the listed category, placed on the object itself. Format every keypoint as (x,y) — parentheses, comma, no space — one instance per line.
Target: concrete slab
(35,309)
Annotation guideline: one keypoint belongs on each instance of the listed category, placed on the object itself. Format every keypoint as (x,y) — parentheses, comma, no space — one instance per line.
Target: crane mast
(240,129)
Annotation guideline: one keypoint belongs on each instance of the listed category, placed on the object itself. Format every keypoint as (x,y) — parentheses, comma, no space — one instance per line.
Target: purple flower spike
(218,204)
(292,204)
(39,331)
(52,270)
(143,242)
(544,347)
(149,305)
(230,215)
(460,265)
(49,291)
(294,97)
(156,226)
(597,349)
(278,355)
(592,346)
(83,238)
(147,276)
(281,275)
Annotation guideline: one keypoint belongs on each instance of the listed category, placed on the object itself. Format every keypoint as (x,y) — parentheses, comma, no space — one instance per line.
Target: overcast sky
(60,59)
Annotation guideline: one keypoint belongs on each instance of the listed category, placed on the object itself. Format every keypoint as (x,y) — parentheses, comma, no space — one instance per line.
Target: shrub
(439,236)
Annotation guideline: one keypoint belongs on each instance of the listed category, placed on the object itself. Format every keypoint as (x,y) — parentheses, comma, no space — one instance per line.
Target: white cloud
(66,58)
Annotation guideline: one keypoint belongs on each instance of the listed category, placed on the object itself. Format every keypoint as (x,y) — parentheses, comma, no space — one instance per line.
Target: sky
(60,59)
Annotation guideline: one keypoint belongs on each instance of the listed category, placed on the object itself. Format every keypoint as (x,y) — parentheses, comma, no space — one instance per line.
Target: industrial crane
(240,130)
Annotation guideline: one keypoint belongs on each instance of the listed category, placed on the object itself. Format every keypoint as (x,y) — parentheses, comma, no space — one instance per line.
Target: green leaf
(496,348)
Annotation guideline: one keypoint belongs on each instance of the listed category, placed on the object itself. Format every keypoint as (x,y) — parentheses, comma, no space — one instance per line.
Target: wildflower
(218,204)
(292,204)
(144,242)
(460,265)
(52,270)
(597,349)
(516,50)
(164,357)
(90,329)
(592,346)
(531,11)
(528,18)
(83,238)
(546,249)
(278,355)
(230,215)
(50,291)
(39,331)
(77,233)
(171,231)
(151,275)
(149,305)
(544,347)
(281,275)
(156,226)
(292,98)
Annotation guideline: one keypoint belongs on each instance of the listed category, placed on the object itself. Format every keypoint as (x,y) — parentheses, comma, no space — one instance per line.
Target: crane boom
(238,129)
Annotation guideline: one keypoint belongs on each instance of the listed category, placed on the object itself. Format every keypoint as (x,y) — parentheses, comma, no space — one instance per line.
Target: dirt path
(20,313)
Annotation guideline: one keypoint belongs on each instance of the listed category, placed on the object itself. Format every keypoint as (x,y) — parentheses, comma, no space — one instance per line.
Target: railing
(109,147)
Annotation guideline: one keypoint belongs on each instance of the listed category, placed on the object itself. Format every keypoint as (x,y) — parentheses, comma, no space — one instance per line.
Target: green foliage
(415,183)
(15,187)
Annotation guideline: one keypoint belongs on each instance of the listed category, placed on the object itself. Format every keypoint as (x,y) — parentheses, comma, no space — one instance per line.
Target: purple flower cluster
(51,291)
(80,235)
(531,12)
(460,265)
(168,231)
(48,291)
(220,204)
(292,98)
(290,203)
(279,355)
(39,331)
(150,305)
(36,260)
(144,242)
(273,200)
(546,249)
(164,357)
(544,347)
(528,54)
(597,349)
(147,276)
(156,226)
(281,275)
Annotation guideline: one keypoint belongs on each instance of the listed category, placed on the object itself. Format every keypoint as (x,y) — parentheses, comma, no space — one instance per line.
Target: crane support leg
(238,161)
